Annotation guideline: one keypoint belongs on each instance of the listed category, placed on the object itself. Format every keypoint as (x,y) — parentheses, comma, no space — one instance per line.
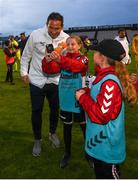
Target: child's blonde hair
(129,90)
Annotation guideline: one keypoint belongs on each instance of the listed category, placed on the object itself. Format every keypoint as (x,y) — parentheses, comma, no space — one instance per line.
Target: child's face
(100,60)
(97,58)
(72,45)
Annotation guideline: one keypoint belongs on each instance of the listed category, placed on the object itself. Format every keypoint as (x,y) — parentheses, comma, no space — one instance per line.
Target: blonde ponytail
(129,90)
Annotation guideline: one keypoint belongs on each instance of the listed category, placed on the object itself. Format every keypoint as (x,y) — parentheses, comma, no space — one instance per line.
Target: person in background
(17,38)
(22,42)
(94,41)
(135,49)
(17,54)
(73,67)
(104,106)
(42,86)
(9,58)
(122,38)
(87,44)
(17,57)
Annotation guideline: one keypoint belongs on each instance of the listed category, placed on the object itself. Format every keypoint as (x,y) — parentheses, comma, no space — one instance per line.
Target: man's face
(122,34)
(22,37)
(54,28)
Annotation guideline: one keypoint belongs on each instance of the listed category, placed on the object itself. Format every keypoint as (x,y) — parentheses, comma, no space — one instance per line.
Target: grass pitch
(16,138)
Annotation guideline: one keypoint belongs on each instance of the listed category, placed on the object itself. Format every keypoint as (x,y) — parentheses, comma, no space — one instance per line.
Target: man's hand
(47,58)
(25,79)
(54,56)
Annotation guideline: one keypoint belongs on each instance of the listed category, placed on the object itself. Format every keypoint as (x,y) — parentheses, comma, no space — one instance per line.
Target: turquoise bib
(106,142)
(68,84)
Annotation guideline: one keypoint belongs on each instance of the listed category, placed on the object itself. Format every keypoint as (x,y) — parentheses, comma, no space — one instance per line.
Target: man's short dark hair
(121,30)
(55,16)
(22,33)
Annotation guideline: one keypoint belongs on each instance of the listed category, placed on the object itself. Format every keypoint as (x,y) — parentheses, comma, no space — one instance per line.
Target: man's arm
(26,57)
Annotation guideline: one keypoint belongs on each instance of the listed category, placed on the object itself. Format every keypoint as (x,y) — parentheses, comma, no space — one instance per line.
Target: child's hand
(47,58)
(52,57)
(55,56)
(79,93)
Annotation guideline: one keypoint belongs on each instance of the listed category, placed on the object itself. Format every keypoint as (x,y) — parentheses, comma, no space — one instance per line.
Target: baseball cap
(110,48)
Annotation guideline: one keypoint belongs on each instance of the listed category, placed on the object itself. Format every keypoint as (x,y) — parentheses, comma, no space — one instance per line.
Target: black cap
(110,48)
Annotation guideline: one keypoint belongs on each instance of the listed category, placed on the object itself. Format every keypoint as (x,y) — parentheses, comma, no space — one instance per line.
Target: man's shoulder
(36,31)
(36,34)
(63,34)
(117,38)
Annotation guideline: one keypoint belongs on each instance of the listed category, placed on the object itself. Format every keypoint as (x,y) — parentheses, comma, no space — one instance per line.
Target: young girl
(104,107)
(9,58)
(73,68)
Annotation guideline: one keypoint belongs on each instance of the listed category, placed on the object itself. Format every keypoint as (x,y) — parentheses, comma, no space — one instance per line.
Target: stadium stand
(106,34)
(90,34)
(103,32)
(98,32)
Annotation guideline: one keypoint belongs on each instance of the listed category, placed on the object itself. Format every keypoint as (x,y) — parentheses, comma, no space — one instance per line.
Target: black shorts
(69,117)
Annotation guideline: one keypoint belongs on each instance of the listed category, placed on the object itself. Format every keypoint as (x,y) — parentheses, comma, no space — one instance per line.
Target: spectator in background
(42,86)
(17,57)
(87,44)
(22,42)
(9,58)
(16,49)
(94,41)
(135,49)
(17,38)
(122,38)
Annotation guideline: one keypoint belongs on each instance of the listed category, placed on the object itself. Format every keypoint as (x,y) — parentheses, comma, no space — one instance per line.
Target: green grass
(16,138)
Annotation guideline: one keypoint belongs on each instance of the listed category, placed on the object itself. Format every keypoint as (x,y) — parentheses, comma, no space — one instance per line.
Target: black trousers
(9,75)
(104,170)
(50,91)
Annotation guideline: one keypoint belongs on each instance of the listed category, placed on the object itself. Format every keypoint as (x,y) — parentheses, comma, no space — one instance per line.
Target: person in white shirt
(122,38)
(43,85)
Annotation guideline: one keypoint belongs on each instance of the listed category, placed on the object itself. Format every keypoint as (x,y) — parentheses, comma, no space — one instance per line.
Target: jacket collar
(73,55)
(102,72)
